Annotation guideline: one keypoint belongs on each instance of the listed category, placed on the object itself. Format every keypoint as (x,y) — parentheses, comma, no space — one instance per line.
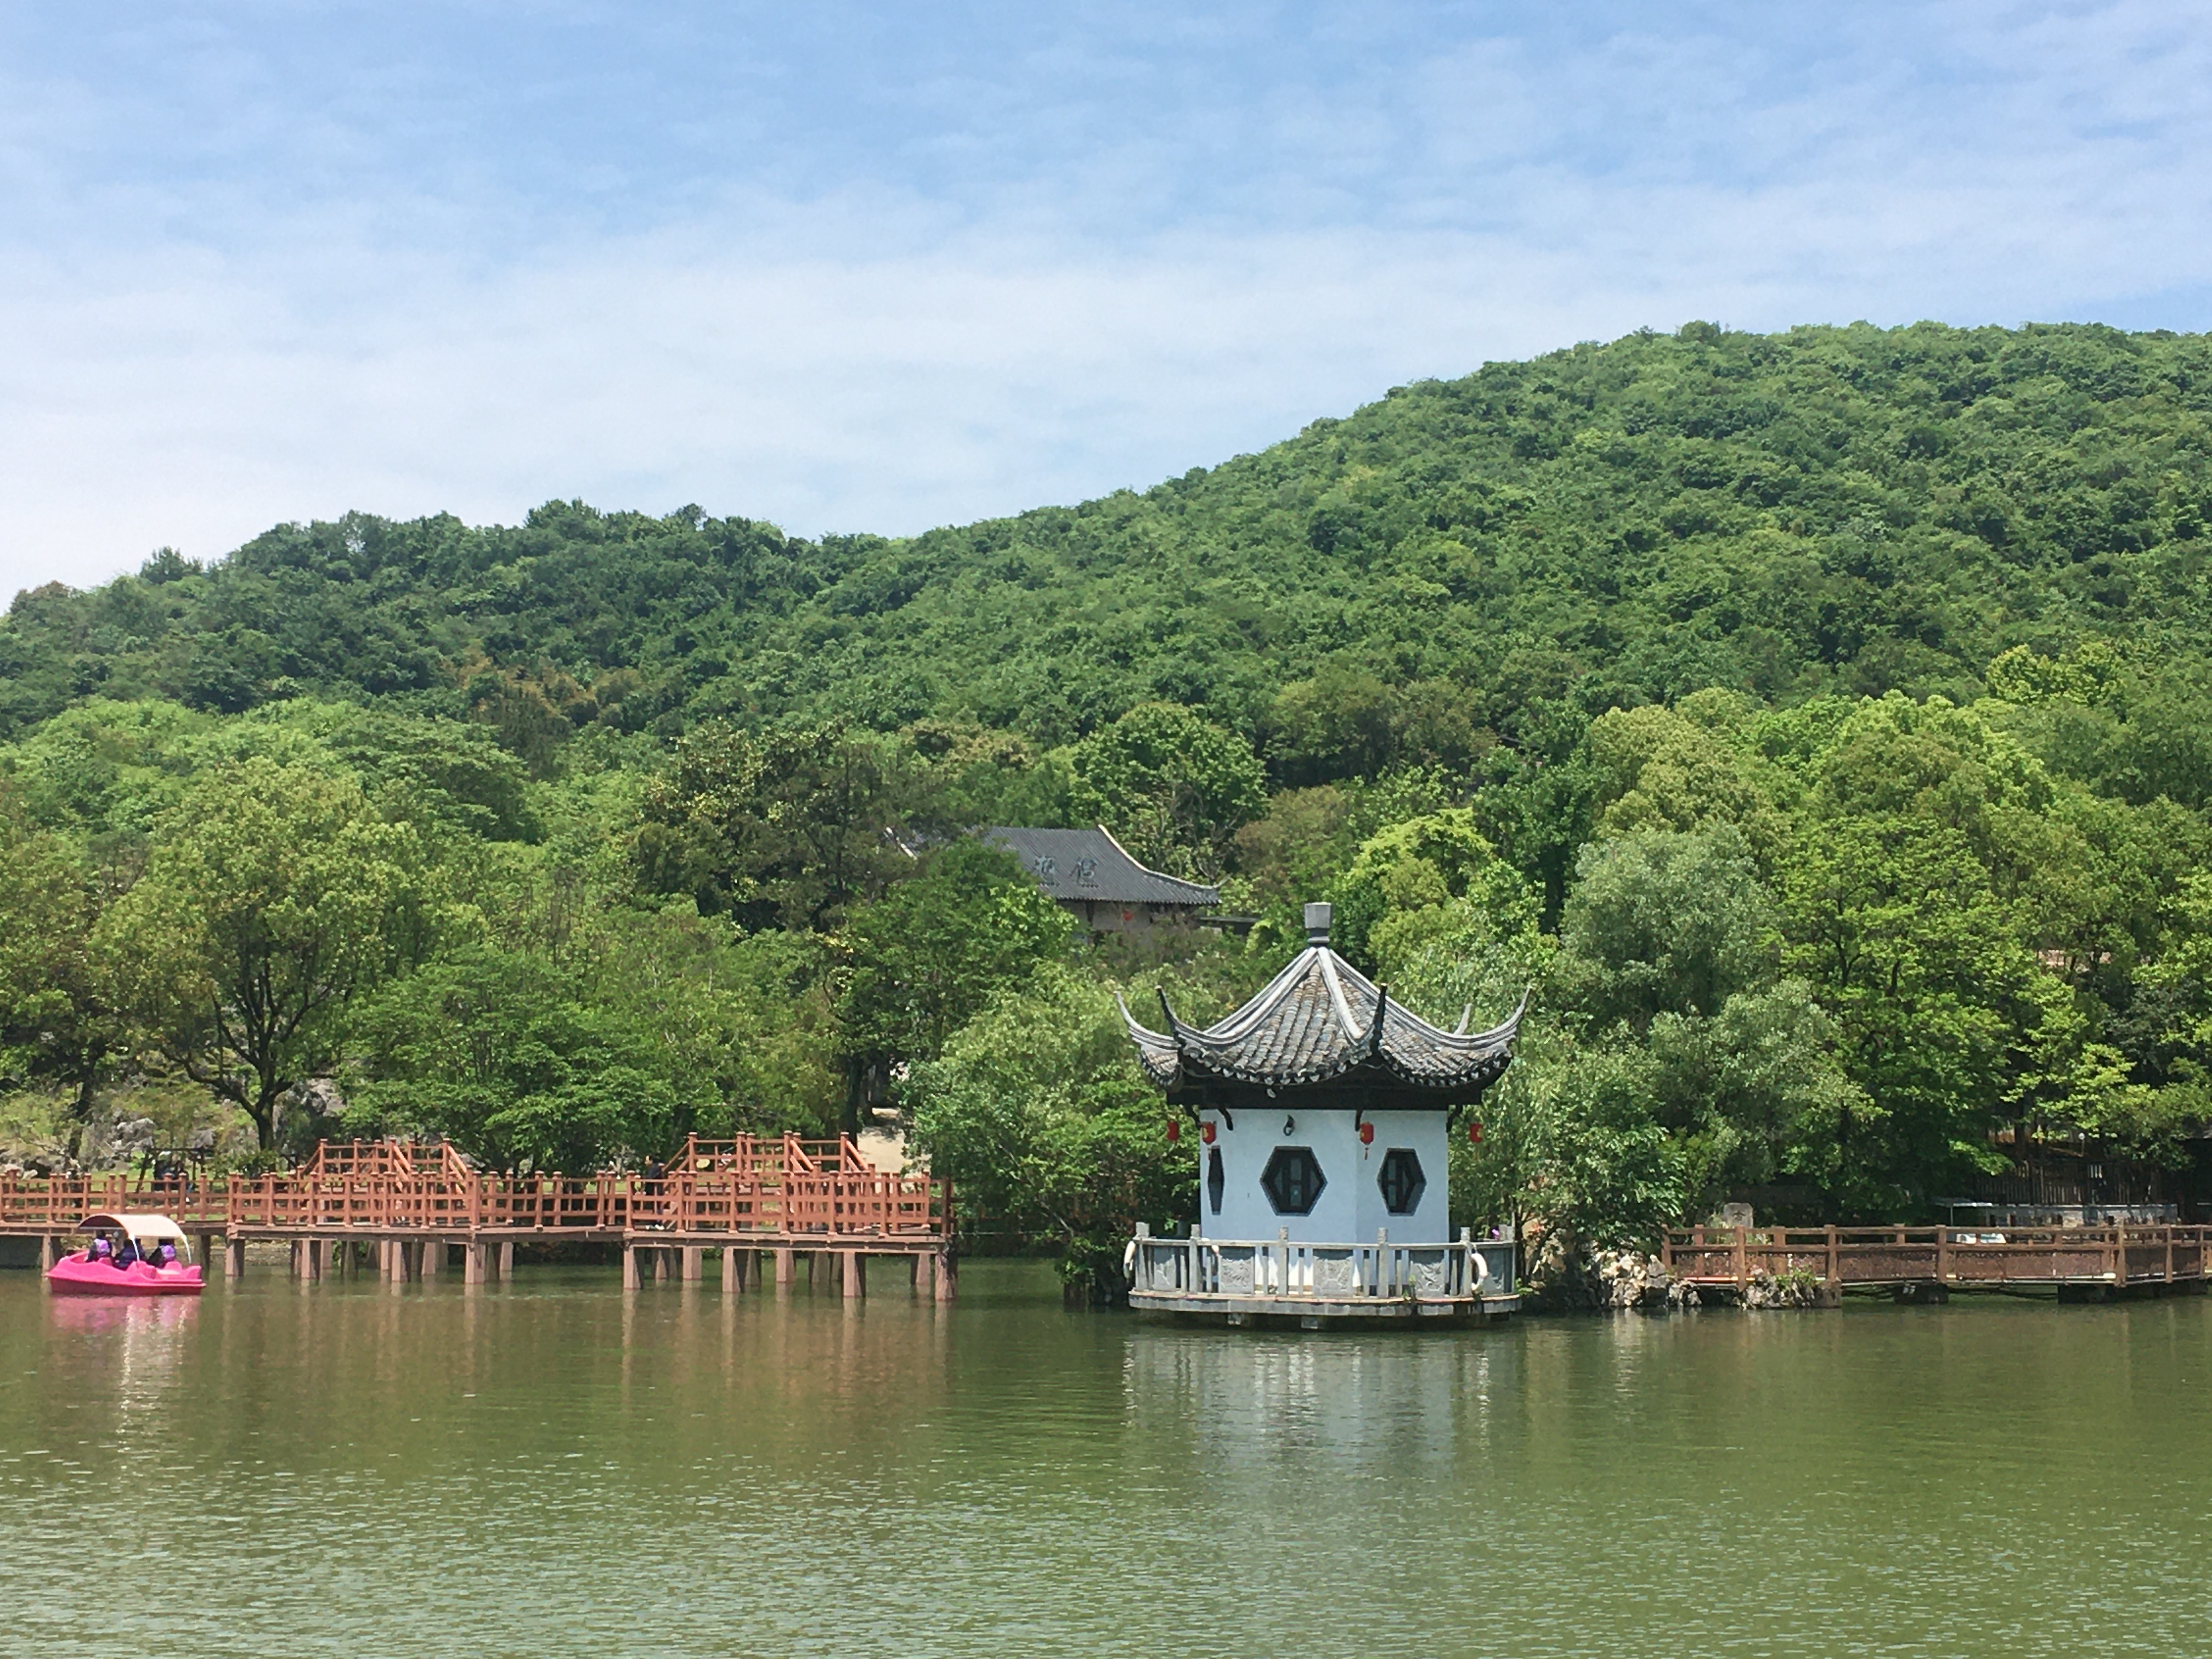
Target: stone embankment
(1632,1281)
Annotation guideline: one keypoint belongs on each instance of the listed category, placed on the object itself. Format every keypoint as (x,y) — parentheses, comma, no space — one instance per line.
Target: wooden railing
(1839,1257)
(1263,1270)
(783,1185)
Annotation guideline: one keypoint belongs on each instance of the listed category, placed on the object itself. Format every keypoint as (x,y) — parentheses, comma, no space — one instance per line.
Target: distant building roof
(1318,1021)
(1089,864)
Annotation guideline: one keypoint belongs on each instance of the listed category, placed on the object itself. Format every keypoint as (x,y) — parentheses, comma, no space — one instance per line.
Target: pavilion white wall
(1351,1208)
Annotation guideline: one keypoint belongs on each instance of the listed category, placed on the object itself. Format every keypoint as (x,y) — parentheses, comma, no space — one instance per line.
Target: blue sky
(879,267)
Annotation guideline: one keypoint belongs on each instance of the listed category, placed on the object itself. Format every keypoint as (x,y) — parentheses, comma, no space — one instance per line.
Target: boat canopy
(134,1225)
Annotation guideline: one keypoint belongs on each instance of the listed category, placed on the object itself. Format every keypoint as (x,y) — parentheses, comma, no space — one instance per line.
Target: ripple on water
(355,1471)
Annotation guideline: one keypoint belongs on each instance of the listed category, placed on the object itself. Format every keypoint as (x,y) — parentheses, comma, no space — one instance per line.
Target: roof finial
(1382,1004)
(1174,1026)
(1317,918)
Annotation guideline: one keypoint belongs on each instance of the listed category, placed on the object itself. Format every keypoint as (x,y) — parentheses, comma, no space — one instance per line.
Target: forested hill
(1820,725)
(1832,509)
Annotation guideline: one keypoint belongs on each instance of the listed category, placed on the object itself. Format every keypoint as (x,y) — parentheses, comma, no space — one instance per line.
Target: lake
(551,1467)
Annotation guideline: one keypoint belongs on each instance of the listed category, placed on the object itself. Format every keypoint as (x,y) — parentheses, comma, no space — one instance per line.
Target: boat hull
(74,1276)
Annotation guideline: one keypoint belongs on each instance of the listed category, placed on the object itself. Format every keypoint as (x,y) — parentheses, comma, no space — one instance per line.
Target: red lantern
(1175,1130)
(1206,1134)
(1367,1134)
(1474,1133)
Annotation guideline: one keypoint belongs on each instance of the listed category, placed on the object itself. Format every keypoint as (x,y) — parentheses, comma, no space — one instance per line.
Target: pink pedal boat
(80,1273)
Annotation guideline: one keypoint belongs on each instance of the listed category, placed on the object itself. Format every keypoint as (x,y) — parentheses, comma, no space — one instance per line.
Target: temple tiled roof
(1320,1018)
(1089,864)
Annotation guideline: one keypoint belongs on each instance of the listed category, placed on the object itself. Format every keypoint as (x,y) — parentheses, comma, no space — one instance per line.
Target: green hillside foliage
(1818,721)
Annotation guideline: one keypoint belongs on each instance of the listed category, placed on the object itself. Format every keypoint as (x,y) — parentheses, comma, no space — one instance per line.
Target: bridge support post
(694,1263)
(315,1247)
(660,1264)
(630,1281)
(505,1259)
(473,1262)
(293,1266)
(855,1268)
(946,1273)
(787,1268)
(433,1257)
(925,1273)
(734,1274)
(234,1258)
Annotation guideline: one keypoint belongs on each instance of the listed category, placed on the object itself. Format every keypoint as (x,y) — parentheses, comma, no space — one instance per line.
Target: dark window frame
(1283,1197)
(1390,1175)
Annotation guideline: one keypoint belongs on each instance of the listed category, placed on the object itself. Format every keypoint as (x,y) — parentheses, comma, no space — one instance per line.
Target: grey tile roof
(1316,1020)
(1089,864)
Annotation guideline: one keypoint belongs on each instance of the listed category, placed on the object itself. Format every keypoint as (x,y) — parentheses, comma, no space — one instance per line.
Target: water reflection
(1254,1401)
(553,1467)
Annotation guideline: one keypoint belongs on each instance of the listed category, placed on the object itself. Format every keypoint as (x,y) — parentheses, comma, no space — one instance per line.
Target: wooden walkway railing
(780,1185)
(1953,1257)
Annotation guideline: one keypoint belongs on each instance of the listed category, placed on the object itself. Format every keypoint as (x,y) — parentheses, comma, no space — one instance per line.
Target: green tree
(273,897)
(1038,1112)
(59,1018)
(1422,877)
(934,950)
(790,828)
(1663,922)
(1174,787)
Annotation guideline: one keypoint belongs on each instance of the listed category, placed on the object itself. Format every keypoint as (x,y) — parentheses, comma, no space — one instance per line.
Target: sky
(879,267)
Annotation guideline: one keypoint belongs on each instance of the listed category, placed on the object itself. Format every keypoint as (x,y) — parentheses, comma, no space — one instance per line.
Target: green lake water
(551,1467)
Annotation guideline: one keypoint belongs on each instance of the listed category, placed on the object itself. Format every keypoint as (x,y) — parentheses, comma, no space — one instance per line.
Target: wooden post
(234,1258)
(630,1278)
(433,1257)
(944,1271)
(786,1268)
(925,1273)
(505,1259)
(293,1267)
(1742,1262)
(1943,1255)
(855,1268)
(732,1281)
(659,1265)
(2169,1254)
(1835,1260)
(694,1263)
(472,1261)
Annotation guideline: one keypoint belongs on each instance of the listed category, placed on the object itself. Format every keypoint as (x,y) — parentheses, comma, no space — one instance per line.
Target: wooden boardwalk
(2108,1261)
(759,1201)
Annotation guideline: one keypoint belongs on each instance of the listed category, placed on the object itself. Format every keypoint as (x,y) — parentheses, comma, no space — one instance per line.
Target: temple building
(1097,882)
(1323,1113)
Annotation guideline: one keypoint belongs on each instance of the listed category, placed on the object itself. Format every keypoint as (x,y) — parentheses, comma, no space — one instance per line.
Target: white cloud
(888,359)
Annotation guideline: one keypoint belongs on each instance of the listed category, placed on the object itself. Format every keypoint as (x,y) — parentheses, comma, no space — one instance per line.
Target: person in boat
(167,1256)
(102,1249)
(126,1252)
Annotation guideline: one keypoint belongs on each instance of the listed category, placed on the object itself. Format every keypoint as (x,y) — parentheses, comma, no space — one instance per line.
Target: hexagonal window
(1292,1180)
(1401,1181)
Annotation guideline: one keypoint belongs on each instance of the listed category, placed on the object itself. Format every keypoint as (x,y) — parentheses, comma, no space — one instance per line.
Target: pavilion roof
(1089,864)
(1318,1019)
